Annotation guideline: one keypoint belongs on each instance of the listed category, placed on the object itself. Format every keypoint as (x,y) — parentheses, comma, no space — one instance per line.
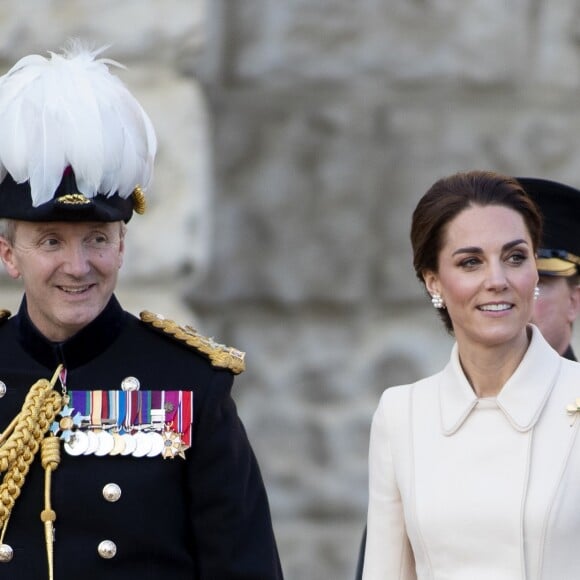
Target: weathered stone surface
(297,189)
(139,30)
(336,41)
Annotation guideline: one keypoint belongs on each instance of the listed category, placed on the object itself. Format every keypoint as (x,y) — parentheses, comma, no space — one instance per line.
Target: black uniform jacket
(205,517)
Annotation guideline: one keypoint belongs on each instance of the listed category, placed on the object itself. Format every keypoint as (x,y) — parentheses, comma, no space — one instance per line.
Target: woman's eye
(517,258)
(469,262)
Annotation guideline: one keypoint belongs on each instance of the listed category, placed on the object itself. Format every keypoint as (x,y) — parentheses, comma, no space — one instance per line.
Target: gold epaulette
(4,314)
(220,355)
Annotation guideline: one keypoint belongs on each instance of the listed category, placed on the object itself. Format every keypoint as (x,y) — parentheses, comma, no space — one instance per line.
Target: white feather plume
(69,110)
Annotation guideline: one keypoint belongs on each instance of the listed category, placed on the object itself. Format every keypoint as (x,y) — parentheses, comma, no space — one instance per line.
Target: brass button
(2,389)
(6,553)
(107,549)
(130,384)
(112,492)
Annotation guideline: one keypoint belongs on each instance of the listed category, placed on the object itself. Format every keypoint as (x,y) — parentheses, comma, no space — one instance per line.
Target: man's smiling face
(69,271)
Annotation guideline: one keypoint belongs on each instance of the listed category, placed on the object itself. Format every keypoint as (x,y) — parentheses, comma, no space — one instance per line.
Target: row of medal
(129,423)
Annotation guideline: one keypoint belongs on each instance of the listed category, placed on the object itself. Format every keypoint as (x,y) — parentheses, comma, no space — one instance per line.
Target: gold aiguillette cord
(18,446)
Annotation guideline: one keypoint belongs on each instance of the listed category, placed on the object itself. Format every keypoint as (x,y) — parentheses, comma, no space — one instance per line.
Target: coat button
(2,389)
(130,384)
(112,492)
(6,553)
(107,549)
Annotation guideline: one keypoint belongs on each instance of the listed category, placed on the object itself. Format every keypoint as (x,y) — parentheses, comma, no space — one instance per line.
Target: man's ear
(7,257)
(121,247)
(574,308)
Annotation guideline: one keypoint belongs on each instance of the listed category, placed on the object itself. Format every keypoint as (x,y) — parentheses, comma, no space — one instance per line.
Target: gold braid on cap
(18,446)
(219,355)
(139,201)
(73,199)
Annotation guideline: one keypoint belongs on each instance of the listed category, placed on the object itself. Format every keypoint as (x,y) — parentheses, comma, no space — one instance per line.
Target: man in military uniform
(558,303)
(121,454)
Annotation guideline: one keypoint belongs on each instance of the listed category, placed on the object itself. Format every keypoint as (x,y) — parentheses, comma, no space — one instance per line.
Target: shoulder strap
(220,355)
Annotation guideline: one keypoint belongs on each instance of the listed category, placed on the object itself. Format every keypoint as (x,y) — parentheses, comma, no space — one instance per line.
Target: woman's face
(486,275)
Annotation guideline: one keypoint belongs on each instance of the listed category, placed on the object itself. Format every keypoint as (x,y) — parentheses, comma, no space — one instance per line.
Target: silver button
(130,384)
(2,389)
(112,492)
(6,553)
(107,549)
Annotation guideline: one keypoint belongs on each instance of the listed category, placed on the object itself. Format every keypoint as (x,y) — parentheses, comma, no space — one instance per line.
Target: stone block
(334,41)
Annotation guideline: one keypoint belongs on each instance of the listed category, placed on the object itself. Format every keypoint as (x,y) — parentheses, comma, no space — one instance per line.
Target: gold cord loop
(19,444)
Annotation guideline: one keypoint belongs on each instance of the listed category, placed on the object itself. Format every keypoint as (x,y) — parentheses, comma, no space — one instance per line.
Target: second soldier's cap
(75,144)
(559,252)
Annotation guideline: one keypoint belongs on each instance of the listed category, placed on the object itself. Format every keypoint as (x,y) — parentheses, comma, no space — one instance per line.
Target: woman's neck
(488,368)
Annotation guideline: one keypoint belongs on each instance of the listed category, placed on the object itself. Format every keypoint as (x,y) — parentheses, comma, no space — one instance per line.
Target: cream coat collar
(521,399)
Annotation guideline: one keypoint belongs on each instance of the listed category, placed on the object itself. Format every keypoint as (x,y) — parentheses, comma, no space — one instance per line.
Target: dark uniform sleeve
(233,537)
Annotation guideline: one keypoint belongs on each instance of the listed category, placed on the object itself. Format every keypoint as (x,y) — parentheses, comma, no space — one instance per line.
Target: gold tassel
(50,457)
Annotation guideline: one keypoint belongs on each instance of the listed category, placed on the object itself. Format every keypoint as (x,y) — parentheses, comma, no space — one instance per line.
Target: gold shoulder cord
(19,444)
(220,355)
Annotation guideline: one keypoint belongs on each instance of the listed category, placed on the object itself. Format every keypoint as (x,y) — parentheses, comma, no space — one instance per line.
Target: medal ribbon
(129,409)
(186,416)
(96,407)
(121,417)
(171,408)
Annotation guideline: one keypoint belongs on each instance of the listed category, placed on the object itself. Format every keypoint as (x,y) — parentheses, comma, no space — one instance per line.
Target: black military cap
(67,204)
(559,253)
(75,144)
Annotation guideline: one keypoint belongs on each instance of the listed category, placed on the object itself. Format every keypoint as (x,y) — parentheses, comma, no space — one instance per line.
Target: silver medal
(106,443)
(77,444)
(143,444)
(157,444)
(93,442)
(130,444)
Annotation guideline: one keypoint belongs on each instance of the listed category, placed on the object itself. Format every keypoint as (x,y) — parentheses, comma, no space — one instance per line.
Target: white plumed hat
(75,144)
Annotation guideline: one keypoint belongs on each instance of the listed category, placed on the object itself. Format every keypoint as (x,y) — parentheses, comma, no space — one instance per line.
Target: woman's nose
(496,277)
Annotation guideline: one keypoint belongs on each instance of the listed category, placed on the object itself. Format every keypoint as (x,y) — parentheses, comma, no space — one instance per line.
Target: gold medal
(173,445)
(118,444)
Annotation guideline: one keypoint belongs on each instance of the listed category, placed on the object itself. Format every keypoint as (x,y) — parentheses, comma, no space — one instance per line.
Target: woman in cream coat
(474,473)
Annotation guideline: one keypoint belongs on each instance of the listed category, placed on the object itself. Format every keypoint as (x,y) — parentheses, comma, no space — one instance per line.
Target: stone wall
(295,139)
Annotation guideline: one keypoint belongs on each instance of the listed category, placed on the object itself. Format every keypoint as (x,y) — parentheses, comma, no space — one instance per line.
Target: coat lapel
(521,399)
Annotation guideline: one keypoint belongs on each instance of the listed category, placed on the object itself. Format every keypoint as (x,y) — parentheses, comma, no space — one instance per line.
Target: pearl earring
(437,301)
(536,292)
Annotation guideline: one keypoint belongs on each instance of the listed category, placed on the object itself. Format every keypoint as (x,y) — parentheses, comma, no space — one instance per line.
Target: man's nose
(76,260)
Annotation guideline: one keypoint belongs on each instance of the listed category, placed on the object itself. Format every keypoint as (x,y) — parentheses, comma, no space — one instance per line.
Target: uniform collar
(521,399)
(569,353)
(79,348)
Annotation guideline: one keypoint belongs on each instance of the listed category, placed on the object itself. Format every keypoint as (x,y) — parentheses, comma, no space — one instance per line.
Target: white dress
(462,488)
